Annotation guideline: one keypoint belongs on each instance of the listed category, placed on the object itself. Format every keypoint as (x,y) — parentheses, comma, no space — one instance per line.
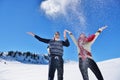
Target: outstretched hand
(30,33)
(68,31)
(102,28)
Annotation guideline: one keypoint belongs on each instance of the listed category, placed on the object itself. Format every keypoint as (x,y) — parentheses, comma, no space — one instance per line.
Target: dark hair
(57,33)
(47,46)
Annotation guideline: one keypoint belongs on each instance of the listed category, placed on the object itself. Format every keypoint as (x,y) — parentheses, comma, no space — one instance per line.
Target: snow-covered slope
(13,70)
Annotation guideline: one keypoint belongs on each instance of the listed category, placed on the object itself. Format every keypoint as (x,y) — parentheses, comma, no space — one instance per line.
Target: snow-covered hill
(14,70)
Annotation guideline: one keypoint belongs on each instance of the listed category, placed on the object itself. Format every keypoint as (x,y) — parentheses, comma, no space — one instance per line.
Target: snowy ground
(19,71)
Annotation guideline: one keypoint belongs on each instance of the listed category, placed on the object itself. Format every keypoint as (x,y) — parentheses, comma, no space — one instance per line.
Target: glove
(102,28)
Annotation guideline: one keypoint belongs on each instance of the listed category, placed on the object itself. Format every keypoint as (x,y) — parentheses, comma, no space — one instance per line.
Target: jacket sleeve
(73,39)
(75,42)
(66,43)
(91,38)
(42,39)
(95,36)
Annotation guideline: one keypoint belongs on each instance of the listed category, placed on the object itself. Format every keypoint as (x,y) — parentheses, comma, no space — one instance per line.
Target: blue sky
(20,16)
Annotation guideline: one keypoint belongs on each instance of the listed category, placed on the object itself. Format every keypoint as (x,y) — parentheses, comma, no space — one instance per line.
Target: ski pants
(55,63)
(89,63)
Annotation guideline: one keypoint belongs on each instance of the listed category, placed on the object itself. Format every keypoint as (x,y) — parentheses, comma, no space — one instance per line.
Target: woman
(86,61)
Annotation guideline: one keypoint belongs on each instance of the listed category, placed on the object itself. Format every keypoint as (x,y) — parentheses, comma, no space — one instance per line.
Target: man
(86,61)
(56,53)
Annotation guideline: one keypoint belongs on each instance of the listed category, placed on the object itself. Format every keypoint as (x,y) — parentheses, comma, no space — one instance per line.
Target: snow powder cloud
(70,9)
(55,7)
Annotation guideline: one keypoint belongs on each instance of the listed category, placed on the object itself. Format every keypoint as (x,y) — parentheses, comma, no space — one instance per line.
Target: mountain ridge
(24,57)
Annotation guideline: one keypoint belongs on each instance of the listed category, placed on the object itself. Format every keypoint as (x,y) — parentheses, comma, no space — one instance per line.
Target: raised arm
(98,32)
(72,37)
(39,38)
(66,42)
